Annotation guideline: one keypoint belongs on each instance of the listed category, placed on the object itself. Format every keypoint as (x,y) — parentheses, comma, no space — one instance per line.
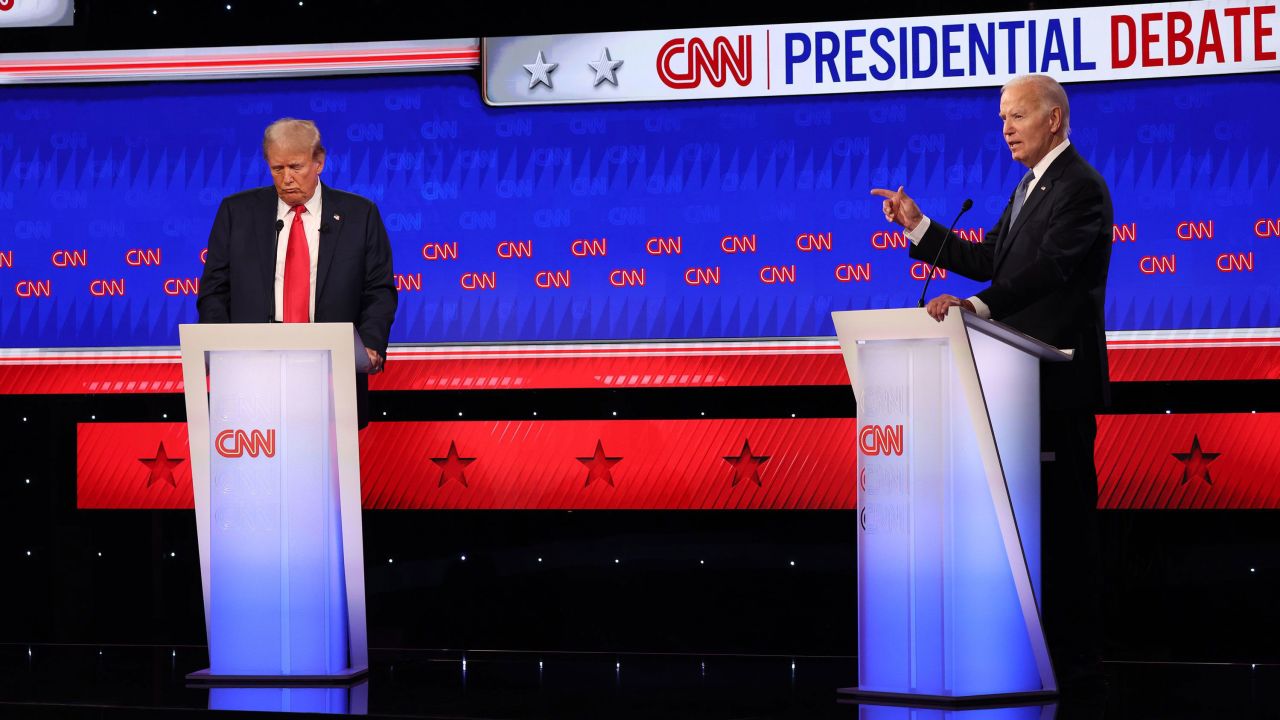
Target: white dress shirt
(311,226)
(917,235)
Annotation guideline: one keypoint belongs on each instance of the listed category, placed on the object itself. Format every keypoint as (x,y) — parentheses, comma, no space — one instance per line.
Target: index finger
(885,193)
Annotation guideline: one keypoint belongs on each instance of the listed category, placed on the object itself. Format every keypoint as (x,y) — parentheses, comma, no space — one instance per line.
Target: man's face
(1029,130)
(295,173)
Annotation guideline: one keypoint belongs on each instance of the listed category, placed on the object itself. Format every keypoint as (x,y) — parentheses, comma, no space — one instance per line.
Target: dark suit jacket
(353,271)
(1048,274)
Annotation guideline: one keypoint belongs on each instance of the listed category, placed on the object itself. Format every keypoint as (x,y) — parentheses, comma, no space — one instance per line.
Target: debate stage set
(663,430)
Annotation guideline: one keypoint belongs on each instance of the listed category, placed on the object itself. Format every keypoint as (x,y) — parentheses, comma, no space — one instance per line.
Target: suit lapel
(265,228)
(331,212)
(1041,189)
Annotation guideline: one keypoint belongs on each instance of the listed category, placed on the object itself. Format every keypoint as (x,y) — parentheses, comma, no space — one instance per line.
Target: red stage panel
(612,464)
(776,464)
(1255,355)
(133,466)
(1208,461)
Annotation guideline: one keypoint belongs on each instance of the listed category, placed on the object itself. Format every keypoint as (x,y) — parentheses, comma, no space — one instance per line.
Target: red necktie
(297,271)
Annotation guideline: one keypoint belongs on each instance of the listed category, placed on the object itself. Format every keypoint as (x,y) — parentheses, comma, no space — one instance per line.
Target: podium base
(203,678)
(1033,697)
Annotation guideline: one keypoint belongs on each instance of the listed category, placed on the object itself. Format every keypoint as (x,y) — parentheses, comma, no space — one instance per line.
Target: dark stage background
(1178,585)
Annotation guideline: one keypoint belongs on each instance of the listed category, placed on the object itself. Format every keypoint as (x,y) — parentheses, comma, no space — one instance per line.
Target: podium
(276,471)
(948,529)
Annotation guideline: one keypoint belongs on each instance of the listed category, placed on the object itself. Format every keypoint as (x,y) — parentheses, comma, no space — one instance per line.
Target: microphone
(324,227)
(968,203)
(275,248)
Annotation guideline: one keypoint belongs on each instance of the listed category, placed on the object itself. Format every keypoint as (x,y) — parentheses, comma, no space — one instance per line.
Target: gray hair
(293,133)
(1050,93)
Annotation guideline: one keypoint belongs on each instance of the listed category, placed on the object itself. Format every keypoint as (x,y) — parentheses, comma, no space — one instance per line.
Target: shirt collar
(313,205)
(1037,171)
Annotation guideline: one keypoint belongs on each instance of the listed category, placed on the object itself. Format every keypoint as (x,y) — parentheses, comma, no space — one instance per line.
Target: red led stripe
(606,366)
(247,61)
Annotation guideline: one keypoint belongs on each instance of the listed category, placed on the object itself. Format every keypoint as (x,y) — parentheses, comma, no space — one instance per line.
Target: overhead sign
(34,13)
(1082,45)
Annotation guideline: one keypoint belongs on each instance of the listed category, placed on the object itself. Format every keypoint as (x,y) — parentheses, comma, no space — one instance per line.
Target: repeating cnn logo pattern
(682,63)
(880,439)
(238,443)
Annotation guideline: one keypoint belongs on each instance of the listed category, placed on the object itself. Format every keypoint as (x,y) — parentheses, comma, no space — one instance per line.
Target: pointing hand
(899,208)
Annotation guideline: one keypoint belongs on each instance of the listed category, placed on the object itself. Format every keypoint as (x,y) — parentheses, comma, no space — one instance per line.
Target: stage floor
(149,681)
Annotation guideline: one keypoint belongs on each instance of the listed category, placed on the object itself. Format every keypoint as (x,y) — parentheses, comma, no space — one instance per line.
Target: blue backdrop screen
(745,218)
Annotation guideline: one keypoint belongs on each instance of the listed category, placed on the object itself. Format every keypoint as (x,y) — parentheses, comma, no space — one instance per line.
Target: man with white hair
(300,251)
(1046,259)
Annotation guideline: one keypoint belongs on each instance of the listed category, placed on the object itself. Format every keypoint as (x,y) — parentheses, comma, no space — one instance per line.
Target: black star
(745,465)
(451,466)
(598,465)
(1196,462)
(161,467)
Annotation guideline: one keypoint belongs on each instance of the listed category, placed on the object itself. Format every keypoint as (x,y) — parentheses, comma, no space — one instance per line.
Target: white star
(605,68)
(540,71)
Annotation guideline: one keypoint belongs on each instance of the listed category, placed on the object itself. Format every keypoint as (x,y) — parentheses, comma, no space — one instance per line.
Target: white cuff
(980,308)
(918,234)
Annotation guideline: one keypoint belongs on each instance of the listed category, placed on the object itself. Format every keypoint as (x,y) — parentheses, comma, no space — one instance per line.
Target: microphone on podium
(276,247)
(968,203)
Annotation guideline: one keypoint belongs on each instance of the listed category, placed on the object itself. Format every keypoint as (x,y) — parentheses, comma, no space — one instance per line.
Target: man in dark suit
(333,263)
(1046,259)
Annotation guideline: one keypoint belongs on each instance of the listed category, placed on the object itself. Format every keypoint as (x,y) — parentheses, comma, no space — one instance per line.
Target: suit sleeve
(1075,224)
(975,261)
(213,302)
(378,296)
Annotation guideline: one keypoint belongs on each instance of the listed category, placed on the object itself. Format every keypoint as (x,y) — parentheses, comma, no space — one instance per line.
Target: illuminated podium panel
(276,474)
(948,506)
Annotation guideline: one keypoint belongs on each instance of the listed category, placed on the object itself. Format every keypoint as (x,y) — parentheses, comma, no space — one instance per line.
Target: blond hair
(292,133)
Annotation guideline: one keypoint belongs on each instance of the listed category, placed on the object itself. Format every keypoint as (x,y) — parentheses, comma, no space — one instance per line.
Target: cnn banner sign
(1082,45)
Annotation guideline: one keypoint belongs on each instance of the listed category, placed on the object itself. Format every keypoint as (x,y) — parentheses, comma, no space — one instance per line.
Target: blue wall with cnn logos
(89,173)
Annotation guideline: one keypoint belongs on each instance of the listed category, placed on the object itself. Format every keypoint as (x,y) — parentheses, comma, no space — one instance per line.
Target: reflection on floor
(127,681)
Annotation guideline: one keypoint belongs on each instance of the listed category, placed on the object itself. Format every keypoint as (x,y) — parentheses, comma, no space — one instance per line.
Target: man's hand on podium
(938,307)
(375,361)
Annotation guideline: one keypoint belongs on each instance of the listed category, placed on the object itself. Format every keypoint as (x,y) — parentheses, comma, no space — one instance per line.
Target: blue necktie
(1020,196)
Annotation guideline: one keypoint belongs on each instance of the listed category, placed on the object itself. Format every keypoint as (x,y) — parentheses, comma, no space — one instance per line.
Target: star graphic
(606,68)
(598,465)
(745,465)
(1195,464)
(161,467)
(540,72)
(451,466)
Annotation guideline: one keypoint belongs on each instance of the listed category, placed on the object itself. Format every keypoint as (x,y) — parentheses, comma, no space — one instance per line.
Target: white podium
(276,472)
(948,508)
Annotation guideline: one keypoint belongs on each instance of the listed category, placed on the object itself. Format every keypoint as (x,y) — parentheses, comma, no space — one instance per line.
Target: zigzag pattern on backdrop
(101,170)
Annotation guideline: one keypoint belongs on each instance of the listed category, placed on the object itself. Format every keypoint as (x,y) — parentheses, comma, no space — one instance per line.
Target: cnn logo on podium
(880,439)
(238,443)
